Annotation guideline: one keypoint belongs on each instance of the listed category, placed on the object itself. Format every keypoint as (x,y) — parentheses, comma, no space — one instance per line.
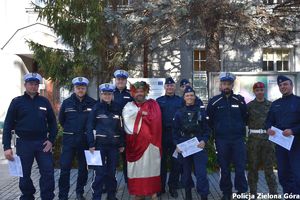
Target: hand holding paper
(278,138)
(15,167)
(189,147)
(93,158)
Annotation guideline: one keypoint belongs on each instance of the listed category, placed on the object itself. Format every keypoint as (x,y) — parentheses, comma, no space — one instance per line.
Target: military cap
(227,76)
(258,85)
(33,77)
(121,74)
(282,78)
(188,89)
(184,82)
(106,87)
(169,80)
(80,81)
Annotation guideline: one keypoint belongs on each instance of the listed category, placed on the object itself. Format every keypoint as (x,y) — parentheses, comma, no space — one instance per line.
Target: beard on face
(227,91)
(139,98)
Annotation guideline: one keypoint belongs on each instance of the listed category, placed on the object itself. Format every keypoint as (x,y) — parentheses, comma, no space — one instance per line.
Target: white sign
(156,86)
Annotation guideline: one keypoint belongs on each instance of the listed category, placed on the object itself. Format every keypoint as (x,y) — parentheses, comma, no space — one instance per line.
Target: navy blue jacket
(285,114)
(202,133)
(168,106)
(227,116)
(105,119)
(31,118)
(73,113)
(122,97)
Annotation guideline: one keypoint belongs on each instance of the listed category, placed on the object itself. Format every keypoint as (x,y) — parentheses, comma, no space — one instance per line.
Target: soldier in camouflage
(260,149)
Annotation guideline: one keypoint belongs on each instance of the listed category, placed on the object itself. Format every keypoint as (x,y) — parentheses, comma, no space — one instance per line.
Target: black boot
(161,192)
(173,192)
(188,194)
(111,197)
(203,197)
(226,197)
(79,197)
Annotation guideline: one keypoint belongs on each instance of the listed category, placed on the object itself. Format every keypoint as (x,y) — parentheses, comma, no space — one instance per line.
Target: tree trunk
(145,63)
(213,52)
(212,55)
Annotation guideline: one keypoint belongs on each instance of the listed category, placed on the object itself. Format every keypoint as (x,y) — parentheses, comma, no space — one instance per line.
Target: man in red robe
(142,123)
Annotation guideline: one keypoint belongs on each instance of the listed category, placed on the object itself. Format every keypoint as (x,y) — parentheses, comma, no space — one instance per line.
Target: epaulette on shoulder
(238,97)
(216,99)
(43,98)
(17,98)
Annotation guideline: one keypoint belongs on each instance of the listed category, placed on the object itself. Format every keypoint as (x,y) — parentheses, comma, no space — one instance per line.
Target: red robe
(142,123)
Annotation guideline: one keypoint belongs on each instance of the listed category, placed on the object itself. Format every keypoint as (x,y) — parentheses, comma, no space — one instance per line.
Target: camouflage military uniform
(260,149)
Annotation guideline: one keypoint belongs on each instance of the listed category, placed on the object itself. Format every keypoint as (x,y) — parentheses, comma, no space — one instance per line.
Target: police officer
(260,149)
(190,122)
(227,114)
(185,82)
(34,122)
(284,114)
(73,116)
(122,97)
(169,104)
(105,119)
(121,93)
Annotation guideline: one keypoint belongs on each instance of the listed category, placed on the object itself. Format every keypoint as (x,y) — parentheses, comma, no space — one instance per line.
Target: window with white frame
(276,59)
(199,60)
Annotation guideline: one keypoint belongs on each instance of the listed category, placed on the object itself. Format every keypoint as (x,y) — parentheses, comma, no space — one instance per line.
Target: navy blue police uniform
(227,117)
(73,116)
(189,122)
(168,106)
(285,114)
(122,97)
(105,119)
(34,122)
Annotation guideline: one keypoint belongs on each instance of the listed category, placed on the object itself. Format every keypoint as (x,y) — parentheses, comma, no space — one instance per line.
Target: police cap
(227,76)
(106,87)
(33,77)
(80,81)
(121,74)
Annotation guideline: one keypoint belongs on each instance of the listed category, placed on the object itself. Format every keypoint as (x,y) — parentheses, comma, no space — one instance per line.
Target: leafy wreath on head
(139,85)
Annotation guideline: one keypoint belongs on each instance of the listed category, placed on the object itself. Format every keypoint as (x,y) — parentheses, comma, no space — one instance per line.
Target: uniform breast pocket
(23,111)
(235,109)
(294,115)
(220,111)
(42,111)
(162,105)
(102,119)
(70,113)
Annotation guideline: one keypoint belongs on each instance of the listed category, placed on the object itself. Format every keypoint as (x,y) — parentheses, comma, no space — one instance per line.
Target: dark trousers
(175,168)
(124,161)
(28,150)
(232,151)
(199,161)
(288,163)
(73,145)
(106,173)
